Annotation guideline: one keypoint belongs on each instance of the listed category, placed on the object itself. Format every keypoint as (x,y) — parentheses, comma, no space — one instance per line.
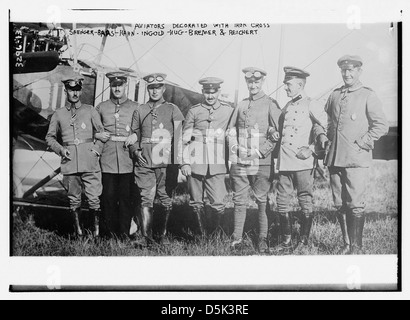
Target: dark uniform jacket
(249,126)
(116,117)
(354,114)
(78,132)
(155,125)
(204,138)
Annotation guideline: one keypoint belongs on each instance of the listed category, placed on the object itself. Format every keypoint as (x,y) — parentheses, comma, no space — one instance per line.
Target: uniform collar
(76,105)
(355,87)
(155,104)
(215,106)
(257,96)
(299,97)
(119,101)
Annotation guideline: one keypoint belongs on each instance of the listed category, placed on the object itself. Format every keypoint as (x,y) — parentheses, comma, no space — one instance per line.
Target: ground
(47,232)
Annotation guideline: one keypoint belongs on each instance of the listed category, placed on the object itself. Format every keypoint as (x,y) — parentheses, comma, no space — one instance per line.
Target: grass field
(46,232)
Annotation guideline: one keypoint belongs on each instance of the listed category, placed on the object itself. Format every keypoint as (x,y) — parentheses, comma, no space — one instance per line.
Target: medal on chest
(83,126)
(154,117)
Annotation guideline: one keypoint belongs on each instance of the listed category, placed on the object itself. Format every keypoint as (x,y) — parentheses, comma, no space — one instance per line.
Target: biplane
(40,56)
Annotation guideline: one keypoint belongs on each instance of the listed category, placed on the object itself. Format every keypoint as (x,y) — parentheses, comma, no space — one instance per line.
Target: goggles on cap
(250,74)
(151,79)
(74,83)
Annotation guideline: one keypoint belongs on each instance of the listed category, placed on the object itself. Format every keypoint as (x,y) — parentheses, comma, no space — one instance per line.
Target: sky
(313,47)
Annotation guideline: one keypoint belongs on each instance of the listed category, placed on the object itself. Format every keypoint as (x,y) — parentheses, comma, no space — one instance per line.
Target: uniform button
(290,144)
(291,135)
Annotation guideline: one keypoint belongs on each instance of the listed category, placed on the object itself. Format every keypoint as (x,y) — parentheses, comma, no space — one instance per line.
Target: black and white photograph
(216,147)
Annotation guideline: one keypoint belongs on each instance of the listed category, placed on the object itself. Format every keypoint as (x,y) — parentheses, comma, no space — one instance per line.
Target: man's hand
(142,162)
(273,135)
(131,140)
(242,152)
(322,139)
(304,153)
(102,136)
(186,170)
(65,154)
(362,145)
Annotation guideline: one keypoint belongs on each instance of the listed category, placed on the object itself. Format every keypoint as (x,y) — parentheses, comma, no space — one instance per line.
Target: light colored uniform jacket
(116,117)
(82,127)
(204,145)
(354,114)
(301,121)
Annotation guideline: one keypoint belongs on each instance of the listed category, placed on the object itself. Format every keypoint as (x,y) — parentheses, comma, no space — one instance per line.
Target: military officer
(76,123)
(250,148)
(204,162)
(155,123)
(302,121)
(116,162)
(355,121)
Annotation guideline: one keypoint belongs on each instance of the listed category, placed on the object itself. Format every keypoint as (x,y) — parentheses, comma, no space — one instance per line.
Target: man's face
(118,90)
(211,96)
(254,85)
(292,88)
(351,75)
(156,92)
(73,96)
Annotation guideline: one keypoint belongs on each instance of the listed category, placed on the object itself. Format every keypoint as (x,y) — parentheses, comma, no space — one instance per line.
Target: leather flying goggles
(255,74)
(157,78)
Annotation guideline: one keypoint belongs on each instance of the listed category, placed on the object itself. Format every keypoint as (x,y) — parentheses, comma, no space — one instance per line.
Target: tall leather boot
(343,221)
(239,218)
(95,216)
(262,244)
(76,219)
(305,228)
(199,213)
(164,227)
(214,221)
(147,216)
(286,230)
(357,234)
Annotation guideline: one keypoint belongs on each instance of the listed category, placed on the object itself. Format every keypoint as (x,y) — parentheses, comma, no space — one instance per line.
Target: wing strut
(41,183)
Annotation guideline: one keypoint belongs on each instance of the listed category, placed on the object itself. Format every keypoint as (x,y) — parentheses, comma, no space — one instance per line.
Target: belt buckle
(154,140)
(76,141)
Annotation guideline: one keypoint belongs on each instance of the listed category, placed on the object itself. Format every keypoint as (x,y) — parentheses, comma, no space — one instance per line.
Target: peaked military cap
(117,78)
(253,72)
(211,83)
(295,73)
(348,60)
(73,83)
(155,78)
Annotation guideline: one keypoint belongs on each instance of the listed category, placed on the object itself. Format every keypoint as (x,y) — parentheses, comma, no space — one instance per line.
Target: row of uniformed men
(345,130)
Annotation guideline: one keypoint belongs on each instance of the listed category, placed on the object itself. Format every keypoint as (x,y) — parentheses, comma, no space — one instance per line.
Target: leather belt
(118,138)
(77,141)
(208,139)
(252,135)
(155,140)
